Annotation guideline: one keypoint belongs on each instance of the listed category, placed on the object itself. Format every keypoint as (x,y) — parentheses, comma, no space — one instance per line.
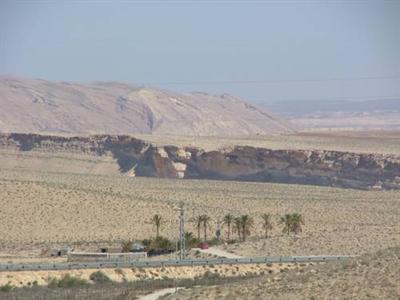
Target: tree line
(241,225)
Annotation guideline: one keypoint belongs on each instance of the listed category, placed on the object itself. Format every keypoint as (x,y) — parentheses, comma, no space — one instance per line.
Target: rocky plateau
(136,157)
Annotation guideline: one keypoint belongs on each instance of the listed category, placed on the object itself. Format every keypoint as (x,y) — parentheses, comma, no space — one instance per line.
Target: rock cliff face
(139,158)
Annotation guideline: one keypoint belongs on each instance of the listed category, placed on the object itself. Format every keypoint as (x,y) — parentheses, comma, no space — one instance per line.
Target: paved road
(218,252)
(166,263)
(157,294)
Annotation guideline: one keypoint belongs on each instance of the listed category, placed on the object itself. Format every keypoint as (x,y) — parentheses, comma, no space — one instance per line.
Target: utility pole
(182,232)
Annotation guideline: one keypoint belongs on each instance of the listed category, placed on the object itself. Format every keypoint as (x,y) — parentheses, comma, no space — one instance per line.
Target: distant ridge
(341,115)
(35,105)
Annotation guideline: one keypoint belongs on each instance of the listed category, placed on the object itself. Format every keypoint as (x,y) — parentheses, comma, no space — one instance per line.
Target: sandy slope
(373,276)
(24,278)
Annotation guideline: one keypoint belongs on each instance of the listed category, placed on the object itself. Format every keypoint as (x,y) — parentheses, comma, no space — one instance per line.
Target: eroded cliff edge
(139,158)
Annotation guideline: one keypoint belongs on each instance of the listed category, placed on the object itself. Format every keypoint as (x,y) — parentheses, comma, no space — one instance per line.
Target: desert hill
(34,105)
(371,276)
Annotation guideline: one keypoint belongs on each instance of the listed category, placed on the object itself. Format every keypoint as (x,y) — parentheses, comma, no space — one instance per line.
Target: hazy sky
(214,46)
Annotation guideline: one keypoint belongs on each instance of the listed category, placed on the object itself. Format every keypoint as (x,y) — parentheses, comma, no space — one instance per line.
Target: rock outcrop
(139,158)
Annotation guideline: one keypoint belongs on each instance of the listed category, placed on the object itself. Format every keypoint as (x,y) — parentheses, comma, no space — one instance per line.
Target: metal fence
(165,263)
(100,257)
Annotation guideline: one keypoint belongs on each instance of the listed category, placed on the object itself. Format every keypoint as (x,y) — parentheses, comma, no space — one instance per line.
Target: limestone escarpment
(139,158)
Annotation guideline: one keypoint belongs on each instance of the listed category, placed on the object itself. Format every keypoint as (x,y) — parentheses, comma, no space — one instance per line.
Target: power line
(319,99)
(182,232)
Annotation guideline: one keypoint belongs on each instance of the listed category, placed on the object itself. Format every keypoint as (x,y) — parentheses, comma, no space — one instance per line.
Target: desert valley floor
(81,201)
(49,209)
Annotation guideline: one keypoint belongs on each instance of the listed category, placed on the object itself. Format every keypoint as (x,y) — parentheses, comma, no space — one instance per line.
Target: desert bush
(119,271)
(210,275)
(191,240)
(158,243)
(146,242)
(99,277)
(6,288)
(67,281)
(214,242)
(53,283)
(126,246)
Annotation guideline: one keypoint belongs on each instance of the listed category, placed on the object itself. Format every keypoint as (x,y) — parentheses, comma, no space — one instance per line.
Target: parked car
(155,252)
(137,248)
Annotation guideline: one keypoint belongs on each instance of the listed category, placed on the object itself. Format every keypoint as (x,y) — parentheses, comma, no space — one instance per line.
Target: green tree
(247,224)
(156,220)
(206,224)
(228,220)
(297,222)
(190,240)
(199,222)
(286,220)
(266,223)
(292,223)
(238,227)
(161,243)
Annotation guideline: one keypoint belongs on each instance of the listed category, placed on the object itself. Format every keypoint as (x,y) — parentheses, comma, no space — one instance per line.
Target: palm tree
(156,220)
(238,227)
(267,223)
(292,223)
(247,223)
(297,221)
(286,220)
(198,221)
(190,240)
(228,220)
(206,224)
